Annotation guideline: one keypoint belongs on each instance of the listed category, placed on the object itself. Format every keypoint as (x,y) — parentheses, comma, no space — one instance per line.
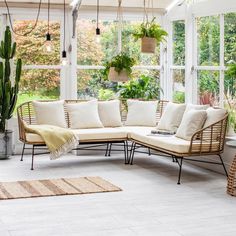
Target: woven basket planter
(231,186)
(148,45)
(117,77)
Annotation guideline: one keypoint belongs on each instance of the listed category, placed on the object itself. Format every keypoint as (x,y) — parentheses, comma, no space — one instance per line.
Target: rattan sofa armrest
(209,139)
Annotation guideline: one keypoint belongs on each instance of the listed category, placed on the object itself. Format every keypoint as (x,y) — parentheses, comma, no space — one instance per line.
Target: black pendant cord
(48,16)
(11,23)
(97,14)
(64,38)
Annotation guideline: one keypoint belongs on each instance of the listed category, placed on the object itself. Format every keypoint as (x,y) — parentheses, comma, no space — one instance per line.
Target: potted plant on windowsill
(8,91)
(119,69)
(151,35)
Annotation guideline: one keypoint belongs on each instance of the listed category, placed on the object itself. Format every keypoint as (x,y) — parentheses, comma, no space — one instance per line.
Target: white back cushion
(171,117)
(109,113)
(84,115)
(192,121)
(214,115)
(196,107)
(141,113)
(50,113)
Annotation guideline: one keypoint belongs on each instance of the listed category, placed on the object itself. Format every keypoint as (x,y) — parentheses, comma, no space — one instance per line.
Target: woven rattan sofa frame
(25,113)
(205,142)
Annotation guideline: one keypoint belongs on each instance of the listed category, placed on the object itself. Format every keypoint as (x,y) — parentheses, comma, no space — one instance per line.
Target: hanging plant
(119,68)
(151,35)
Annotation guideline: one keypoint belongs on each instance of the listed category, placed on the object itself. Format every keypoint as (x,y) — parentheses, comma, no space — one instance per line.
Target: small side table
(231,185)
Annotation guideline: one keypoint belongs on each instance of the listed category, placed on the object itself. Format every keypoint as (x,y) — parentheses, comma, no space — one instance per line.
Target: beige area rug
(55,187)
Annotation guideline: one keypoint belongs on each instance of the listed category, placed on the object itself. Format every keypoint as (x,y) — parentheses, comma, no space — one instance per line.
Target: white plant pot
(148,45)
(6,149)
(117,77)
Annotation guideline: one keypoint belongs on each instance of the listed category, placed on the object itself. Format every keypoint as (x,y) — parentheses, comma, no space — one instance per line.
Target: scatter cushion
(84,115)
(50,113)
(171,117)
(192,121)
(196,107)
(214,115)
(109,113)
(141,113)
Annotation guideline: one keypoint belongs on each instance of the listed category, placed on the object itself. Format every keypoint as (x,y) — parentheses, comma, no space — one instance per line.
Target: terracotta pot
(117,77)
(148,45)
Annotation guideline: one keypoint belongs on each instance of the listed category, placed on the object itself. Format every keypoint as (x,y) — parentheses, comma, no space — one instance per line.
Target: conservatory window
(41,72)
(178,61)
(92,56)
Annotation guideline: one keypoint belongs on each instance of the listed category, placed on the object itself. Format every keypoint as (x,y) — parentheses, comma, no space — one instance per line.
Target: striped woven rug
(55,187)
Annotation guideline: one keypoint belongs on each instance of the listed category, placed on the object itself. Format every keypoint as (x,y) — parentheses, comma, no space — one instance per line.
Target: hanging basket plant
(151,35)
(119,69)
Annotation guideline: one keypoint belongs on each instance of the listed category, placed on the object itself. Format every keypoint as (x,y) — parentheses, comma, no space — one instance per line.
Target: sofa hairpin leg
(226,173)
(23,151)
(180,168)
(132,154)
(109,151)
(108,144)
(32,160)
(125,151)
(149,151)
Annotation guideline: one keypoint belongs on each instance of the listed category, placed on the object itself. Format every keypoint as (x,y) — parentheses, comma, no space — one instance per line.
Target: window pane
(92,85)
(208,87)
(230,38)
(31,48)
(91,52)
(134,47)
(208,29)
(179,86)
(179,42)
(39,84)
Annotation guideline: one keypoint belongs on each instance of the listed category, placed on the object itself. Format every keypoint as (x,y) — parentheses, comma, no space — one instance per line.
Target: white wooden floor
(151,202)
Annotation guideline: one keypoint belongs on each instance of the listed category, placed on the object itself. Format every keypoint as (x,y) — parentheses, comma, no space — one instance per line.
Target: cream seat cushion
(50,113)
(141,113)
(172,116)
(88,134)
(109,113)
(84,115)
(139,129)
(193,120)
(170,143)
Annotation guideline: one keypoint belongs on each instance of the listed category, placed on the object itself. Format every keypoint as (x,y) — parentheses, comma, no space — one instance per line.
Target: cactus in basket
(9,87)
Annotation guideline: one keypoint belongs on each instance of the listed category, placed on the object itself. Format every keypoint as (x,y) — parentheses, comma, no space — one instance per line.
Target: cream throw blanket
(58,140)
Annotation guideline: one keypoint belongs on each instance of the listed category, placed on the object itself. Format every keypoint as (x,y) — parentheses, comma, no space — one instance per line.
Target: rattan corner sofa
(207,141)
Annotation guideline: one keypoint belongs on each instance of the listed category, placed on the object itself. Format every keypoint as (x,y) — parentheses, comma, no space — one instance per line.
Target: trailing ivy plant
(150,29)
(121,62)
(146,87)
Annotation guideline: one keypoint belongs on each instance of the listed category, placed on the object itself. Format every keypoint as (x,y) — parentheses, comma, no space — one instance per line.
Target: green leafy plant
(145,87)
(8,89)
(106,94)
(121,62)
(150,29)
(231,71)
(179,97)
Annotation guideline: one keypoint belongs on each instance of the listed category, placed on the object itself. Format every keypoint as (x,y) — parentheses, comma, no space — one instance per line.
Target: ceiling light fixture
(98,32)
(34,26)
(48,43)
(64,56)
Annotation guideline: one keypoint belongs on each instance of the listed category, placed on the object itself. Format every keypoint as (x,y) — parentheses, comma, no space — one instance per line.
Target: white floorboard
(151,202)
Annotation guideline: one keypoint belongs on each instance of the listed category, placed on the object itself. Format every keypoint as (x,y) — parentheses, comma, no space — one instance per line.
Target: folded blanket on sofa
(58,140)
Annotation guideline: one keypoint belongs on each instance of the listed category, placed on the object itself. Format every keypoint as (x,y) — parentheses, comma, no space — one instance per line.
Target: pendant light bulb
(64,60)
(48,45)
(98,35)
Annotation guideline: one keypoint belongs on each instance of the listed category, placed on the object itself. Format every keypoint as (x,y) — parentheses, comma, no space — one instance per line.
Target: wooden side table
(231,185)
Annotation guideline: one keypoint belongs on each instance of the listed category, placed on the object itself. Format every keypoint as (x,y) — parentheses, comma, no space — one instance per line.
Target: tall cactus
(8,87)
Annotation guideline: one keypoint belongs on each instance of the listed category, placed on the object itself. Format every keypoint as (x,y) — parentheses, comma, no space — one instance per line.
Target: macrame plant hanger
(119,19)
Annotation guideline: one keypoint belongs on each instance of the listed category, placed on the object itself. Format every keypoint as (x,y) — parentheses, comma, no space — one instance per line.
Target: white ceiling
(125,3)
